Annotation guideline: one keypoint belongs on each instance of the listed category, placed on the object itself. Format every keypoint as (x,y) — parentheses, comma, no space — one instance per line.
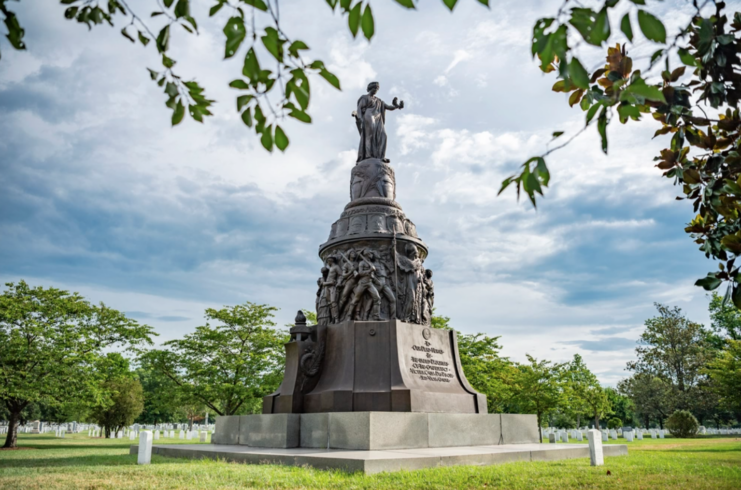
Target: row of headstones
(720,432)
(563,435)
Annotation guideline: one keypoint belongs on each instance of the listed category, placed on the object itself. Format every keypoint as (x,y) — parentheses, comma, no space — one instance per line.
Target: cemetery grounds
(80,462)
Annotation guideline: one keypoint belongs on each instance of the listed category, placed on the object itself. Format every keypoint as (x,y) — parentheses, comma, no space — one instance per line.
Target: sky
(100,195)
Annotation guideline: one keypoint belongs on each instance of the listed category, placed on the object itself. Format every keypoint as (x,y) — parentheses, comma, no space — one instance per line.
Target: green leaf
(171,89)
(686,57)
(247,117)
(541,169)
(626,27)
(406,3)
(240,84)
(167,62)
(556,134)
(592,112)
(143,39)
(628,111)
(267,138)
(168,3)
(709,283)
(295,46)
(243,100)
(602,128)
(251,67)
(178,113)
(127,35)
(273,43)
(367,23)
(182,9)
(651,27)
(648,92)
(258,4)
(235,32)
(281,140)
(505,183)
(578,74)
(331,78)
(353,20)
(153,74)
(215,9)
(450,4)
(600,31)
(300,115)
(163,39)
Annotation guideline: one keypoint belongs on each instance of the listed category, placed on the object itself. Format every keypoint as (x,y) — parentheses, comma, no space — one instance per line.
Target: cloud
(100,195)
(603,345)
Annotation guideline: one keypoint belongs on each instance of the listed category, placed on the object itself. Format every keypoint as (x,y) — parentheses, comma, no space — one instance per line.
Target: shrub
(682,424)
(614,423)
(563,421)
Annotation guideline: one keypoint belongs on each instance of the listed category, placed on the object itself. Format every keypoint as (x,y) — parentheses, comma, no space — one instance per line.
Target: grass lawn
(82,463)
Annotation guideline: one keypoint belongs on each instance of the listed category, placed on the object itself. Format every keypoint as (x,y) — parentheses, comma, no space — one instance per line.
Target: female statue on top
(370,118)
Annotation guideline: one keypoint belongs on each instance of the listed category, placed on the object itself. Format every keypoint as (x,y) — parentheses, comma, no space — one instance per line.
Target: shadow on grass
(103,460)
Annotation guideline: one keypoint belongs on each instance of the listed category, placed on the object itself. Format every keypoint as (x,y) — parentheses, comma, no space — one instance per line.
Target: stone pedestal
(376,366)
(375,430)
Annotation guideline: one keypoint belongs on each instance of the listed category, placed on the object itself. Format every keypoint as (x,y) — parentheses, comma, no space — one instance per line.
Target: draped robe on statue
(411,288)
(371,120)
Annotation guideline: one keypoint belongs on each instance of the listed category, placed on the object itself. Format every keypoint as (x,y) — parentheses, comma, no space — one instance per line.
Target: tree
(725,371)
(160,403)
(50,342)
(124,403)
(485,370)
(614,423)
(651,396)
(538,388)
(622,406)
(228,367)
(682,424)
(725,321)
(676,350)
(584,394)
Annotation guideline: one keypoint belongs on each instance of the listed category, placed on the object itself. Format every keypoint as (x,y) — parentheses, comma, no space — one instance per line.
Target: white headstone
(579,436)
(203,437)
(145,448)
(661,434)
(596,457)
(189,435)
(120,435)
(132,435)
(181,435)
(564,436)
(156,435)
(552,438)
(628,435)
(613,434)
(639,435)
(604,435)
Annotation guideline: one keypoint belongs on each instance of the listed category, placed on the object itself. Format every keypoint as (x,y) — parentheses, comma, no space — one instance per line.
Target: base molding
(370,462)
(375,430)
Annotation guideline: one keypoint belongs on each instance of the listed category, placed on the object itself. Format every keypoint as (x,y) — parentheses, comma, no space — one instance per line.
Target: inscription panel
(429,361)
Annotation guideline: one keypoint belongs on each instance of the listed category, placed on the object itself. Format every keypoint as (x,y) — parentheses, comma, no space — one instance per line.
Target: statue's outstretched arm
(395,104)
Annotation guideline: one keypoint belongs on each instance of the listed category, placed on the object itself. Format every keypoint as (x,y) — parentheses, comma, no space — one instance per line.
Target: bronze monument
(373,348)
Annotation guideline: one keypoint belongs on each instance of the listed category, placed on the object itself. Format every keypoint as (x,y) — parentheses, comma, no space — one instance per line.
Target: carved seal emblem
(426,333)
